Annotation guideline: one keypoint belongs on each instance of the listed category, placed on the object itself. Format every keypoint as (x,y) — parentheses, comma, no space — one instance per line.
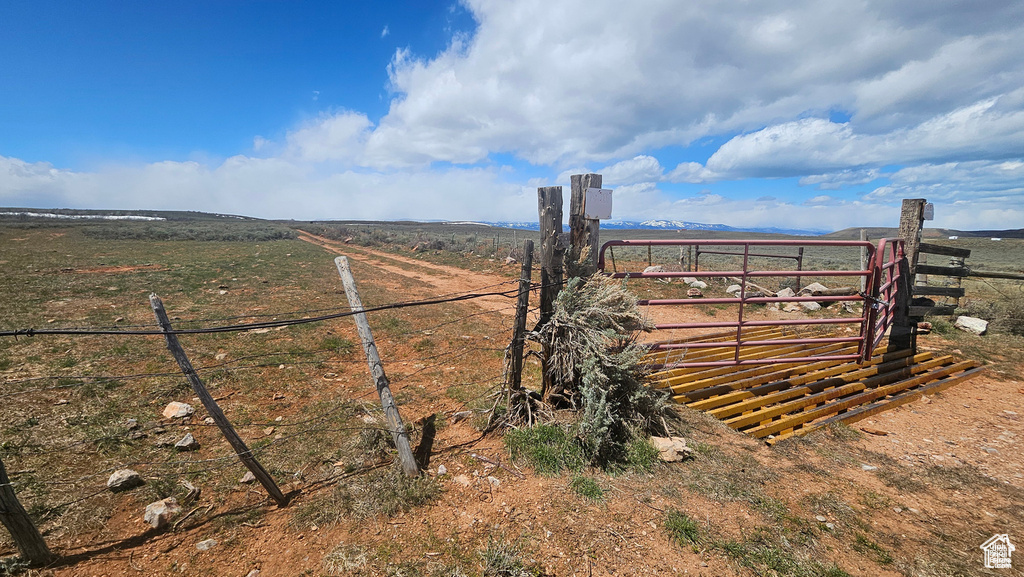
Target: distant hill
(74,214)
(100,214)
(669,225)
(875,233)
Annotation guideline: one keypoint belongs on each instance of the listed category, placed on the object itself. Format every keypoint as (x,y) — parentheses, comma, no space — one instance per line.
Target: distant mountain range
(669,225)
(22,214)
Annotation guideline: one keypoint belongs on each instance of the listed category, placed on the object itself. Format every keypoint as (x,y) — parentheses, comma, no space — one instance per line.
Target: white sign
(929,211)
(597,204)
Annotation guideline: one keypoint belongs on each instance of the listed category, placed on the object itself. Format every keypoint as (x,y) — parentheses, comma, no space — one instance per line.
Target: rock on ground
(972,325)
(187,443)
(206,544)
(671,449)
(699,284)
(786,292)
(123,480)
(733,288)
(160,512)
(812,288)
(176,410)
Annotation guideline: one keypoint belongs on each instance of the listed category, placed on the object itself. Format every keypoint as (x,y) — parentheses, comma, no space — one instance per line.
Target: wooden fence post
(902,334)
(911,223)
(387,401)
(583,232)
(211,406)
(522,306)
(549,206)
(26,536)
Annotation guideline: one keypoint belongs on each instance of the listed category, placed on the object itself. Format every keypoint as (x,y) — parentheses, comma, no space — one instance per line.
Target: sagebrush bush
(595,361)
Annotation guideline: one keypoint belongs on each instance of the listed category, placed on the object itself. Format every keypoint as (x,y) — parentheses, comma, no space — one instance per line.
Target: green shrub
(682,528)
(502,559)
(587,488)
(595,361)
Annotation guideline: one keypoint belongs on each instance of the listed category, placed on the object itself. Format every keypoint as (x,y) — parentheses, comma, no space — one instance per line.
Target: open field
(916,502)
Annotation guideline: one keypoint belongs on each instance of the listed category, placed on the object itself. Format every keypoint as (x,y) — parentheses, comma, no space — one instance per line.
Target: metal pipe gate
(882,275)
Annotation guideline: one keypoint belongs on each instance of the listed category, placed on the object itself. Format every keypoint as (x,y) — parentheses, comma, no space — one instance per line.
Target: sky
(810,114)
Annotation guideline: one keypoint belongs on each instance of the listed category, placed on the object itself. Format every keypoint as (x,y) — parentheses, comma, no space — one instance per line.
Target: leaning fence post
(26,536)
(211,406)
(387,401)
(522,306)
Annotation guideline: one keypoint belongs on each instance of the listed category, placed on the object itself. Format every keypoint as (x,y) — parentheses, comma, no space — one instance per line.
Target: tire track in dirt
(446,279)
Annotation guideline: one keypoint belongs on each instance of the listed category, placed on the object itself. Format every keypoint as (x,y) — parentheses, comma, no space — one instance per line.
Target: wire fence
(306,411)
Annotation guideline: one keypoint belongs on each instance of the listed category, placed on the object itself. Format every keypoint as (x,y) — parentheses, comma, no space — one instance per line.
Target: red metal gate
(889,276)
(882,276)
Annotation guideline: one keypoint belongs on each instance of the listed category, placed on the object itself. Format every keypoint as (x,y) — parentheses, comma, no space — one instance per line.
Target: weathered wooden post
(549,206)
(387,401)
(211,406)
(799,267)
(584,233)
(522,306)
(911,224)
(902,334)
(26,536)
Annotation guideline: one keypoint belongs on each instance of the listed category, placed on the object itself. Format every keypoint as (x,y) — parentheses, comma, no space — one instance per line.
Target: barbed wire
(513,293)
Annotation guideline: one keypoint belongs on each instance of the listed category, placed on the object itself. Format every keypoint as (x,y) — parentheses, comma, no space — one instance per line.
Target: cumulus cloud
(624,80)
(339,137)
(637,169)
(980,130)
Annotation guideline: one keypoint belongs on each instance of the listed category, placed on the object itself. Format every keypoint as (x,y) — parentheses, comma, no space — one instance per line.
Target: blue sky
(818,114)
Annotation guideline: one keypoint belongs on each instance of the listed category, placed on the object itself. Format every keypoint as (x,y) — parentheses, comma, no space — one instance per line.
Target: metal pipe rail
(888,276)
(737,344)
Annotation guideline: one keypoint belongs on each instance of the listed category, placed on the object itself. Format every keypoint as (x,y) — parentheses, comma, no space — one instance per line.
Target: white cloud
(624,80)
(842,179)
(338,137)
(385,32)
(637,169)
(271,188)
(982,129)
(691,172)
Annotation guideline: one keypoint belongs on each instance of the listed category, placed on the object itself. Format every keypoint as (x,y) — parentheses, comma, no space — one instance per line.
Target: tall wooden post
(584,233)
(387,401)
(549,206)
(902,334)
(30,543)
(211,406)
(522,306)
(911,223)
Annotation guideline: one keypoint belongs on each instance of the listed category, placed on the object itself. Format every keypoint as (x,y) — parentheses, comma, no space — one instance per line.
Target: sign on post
(929,211)
(597,204)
